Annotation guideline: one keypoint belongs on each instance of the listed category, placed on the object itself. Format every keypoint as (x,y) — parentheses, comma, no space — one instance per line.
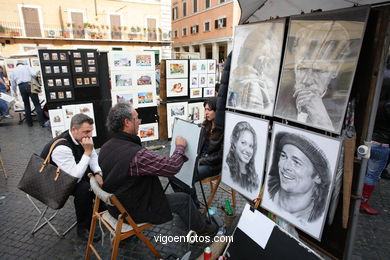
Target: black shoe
(83,233)
(385,174)
(209,230)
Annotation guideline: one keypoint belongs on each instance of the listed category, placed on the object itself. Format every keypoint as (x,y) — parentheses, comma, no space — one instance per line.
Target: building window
(194,29)
(195,5)
(206,26)
(221,1)
(220,23)
(115,23)
(184,9)
(175,34)
(184,31)
(78,24)
(207,4)
(32,24)
(174,13)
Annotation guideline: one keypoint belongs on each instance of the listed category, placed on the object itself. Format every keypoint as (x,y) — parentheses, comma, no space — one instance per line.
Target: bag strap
(47,159)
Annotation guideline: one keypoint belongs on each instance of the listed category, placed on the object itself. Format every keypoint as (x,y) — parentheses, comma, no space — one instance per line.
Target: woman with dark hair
(241,156)
(299,178)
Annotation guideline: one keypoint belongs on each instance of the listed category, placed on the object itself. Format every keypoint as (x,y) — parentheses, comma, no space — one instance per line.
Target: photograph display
(148,132)
(244,153)
(177,87)
(254,72)
(319,66)
(176,69)
(177,109)
(196,112)
(300,177)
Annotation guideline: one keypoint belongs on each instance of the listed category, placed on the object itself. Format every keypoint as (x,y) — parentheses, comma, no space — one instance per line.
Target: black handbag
(47,183)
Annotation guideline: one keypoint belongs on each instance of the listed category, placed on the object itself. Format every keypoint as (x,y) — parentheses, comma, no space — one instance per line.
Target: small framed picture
(194,81)
(68,94)
(64,69)
(203,81)
(211,80)
(50,83)
(54,56)
(91,62)
(66,82)
(53,95)
(91,69)
(62,56)
(76,55)
(86,81)
(90,55)
(78,62)
(78,69)
(58,82)
(79,81)
(93,80)
(47,69)
(46,56)
(195,93)
(208,92)
(60,95)
(56,69)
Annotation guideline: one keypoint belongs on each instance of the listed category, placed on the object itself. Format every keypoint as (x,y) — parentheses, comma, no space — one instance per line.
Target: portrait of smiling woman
(244,154)
(298,183)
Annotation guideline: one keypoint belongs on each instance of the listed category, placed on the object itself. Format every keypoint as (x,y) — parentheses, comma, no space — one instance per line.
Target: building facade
(204,26)
(104,25)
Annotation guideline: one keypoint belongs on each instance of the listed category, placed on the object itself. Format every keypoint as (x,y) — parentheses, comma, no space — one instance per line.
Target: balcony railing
(86,31)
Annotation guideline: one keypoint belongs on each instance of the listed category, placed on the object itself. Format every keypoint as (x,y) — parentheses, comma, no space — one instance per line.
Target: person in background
(217,88)
(4,112)
(21,76)
(158,78)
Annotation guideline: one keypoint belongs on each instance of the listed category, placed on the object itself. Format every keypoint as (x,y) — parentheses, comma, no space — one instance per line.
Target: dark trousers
(83,203)
(182,204)
(25,91)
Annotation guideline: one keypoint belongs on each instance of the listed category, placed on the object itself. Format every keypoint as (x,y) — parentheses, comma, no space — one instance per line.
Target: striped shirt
(146,163)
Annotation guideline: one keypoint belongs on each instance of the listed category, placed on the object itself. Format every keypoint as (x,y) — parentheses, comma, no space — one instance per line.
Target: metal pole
(356,205)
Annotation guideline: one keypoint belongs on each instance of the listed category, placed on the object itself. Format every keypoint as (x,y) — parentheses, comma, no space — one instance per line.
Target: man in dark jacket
(132,174)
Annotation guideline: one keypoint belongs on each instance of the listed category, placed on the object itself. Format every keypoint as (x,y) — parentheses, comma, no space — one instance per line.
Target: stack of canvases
(187,83)
(133,80)
(320,59)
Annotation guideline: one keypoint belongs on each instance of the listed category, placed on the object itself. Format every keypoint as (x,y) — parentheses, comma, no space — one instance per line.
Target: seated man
(77,157)
(131,173)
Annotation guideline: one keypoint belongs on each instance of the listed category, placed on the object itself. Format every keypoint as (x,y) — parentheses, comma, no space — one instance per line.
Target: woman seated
(210,159)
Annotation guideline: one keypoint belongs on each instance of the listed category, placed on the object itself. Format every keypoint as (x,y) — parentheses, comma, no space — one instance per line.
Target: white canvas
(191,132)
(196,112)
(176,69)
(177,109)
(245,142)
(148,132)
(177,87)
(254,72)
(300,177)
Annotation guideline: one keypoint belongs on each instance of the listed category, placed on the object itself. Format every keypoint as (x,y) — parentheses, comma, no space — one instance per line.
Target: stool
(214,185)
(2,166)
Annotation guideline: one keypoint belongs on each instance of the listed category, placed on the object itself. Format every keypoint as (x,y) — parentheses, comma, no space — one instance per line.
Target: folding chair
(2,166)
(214,185)
(117,227)
(46,221)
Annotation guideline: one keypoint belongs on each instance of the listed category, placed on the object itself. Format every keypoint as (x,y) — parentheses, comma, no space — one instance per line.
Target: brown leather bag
(47,183)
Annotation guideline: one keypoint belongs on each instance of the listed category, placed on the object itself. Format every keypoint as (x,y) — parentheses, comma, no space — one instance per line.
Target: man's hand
(87,144)
(99,179)
(181,141)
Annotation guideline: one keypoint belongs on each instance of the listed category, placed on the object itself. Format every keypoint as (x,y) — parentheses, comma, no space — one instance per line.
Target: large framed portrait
(176,109)
(254,72)
(122,80)
(121,60)
(148,132)
(320,60)
(300,176)
(245,143)
(196,112)
(177,87)
(176,69)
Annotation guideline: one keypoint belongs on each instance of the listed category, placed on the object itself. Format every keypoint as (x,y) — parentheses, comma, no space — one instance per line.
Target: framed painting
(211,80)
(177,109)
(255,66)
(176,69)
(203,80)
(57,130)
(121,60)
(194,80)
(125,96)
(320,60)
(148,132)
(195,92)
(177,87)
(146,97)
(145,78)
(194,67)
(56,117)
(196,112)
(145,60)
(122,80)
(300,176)
(202,66)
(245,143)
(209,92)
(211,66)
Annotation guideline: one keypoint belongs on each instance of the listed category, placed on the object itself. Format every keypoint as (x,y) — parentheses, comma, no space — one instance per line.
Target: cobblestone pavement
(17,215)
